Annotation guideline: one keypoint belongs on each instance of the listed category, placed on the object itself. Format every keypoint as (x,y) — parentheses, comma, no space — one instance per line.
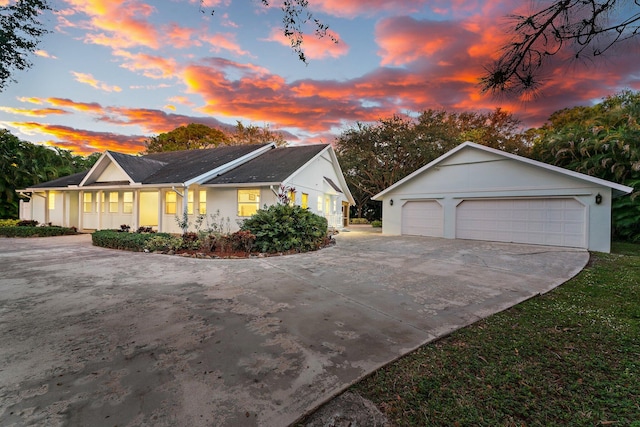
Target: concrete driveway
(91,336)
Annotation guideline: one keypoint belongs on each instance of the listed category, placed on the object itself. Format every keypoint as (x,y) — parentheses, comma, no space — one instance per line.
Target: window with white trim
(248,201)
(87,200)
(170,203)
(113,202)
(127,202)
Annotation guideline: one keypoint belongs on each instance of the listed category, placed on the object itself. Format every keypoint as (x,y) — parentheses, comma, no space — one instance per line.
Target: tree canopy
(602,141)
(24,164)
(197,136)
(376,156)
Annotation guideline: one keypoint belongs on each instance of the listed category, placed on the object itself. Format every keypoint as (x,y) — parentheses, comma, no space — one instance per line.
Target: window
(113,202)
(88,202)
(202,202)
(327,204)
(248,202)
(292,197)
(190,196)
(51,201)
(305,201)
(127,202)
(319,203)
(170,203)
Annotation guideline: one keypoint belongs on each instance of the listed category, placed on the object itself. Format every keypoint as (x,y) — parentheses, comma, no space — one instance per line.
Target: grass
(569,357)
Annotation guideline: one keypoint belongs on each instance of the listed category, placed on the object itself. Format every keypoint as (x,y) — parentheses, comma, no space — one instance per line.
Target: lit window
(319,203)
(127,202)
(292,197)
(305,201)
(170,203)
(88,202)
(327,204)
(190,196)
(202,202)
(52,201)
(113,202)
(248,202)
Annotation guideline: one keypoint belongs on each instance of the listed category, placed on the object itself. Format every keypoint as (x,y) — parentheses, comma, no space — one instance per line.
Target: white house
(154,189)
(480,193)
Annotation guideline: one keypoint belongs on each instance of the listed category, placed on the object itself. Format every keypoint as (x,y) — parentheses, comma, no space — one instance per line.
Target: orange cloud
(39,112)
(226,42)
(82,141)
(44,54)
(91,81)
(152,66)
(314,47)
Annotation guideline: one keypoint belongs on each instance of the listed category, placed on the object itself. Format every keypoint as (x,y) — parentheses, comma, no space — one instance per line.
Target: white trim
(620,189)
(95,167)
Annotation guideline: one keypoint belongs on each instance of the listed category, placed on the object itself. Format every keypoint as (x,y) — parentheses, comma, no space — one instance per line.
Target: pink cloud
(314,47)
(96,84)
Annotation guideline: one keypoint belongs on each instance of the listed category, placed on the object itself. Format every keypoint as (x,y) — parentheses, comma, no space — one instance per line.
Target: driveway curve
(92,336)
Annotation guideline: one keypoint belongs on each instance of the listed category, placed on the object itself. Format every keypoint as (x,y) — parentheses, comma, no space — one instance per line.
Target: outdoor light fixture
(598,199)
(391,202)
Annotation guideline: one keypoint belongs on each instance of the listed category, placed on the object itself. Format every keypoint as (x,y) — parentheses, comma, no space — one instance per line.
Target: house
(480,193)
(155,189)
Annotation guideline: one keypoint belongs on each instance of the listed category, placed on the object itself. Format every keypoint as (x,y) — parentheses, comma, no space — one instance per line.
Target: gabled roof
(618,189)
(63,182)
(137,167)
(272,167)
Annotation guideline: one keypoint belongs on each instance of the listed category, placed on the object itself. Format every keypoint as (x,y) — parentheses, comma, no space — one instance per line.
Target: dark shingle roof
(273,166)
(182,166)
(74,179)
(137,167)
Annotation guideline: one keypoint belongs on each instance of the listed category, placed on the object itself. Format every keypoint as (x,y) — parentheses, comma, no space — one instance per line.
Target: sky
(114,72)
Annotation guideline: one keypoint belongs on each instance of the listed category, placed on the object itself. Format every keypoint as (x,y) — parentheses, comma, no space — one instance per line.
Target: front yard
(569,357)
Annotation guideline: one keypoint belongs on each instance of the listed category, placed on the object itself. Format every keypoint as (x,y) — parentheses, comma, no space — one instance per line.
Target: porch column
(47,195)
(185,201)
(160,212)
(99,206)
(81,210)
(136,210)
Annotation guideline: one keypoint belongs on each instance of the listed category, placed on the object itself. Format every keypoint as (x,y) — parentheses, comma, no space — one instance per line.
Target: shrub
(48,231)
(280,228)
(145,230)
(377,223)
(115,239)
(163,242)
(359,221)
(239,241)
(9,222)
(27,223)
(190,241)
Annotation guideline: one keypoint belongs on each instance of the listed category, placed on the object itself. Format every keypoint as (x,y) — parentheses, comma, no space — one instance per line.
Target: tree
(196,136)
(601,141)
(24,164)
(20,33)
(373,157)
(586,27)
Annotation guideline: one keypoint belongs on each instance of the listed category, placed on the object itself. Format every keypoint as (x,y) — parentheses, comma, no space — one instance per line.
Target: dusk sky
(114,72)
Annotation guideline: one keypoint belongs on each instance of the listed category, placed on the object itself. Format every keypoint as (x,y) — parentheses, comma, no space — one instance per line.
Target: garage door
(555,222)
(422,218)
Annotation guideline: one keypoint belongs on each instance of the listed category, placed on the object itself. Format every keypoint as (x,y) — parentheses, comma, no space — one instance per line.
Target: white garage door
(422,218)
(554,222)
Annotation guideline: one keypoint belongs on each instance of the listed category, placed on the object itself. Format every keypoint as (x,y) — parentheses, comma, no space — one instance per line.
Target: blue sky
(113,72)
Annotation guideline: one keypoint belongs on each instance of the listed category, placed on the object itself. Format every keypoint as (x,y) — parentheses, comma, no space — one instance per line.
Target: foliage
(602,141)
(20,33)
(373,157)
(115,239)
(570,28)
(569,357)
(27,223)
(281,228)
(9,222)
(162,242)
(198,136)
(24,164)
(239,241)
(359,221)
(376,224)
(213,224)
(46,231)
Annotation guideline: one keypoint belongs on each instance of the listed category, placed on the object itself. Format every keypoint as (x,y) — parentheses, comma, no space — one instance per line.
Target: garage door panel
(556,222)
(422,218)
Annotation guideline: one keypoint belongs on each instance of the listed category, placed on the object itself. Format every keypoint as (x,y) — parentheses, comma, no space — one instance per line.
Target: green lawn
(570,357)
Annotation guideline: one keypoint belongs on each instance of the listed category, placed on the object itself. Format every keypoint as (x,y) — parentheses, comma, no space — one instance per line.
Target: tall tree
(252,134)
(376,156)
(602,141)
(191,137)
(581,28)
(20,33)
(24,164)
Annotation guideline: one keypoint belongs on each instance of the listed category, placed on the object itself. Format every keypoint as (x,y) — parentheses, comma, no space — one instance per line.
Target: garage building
(480,193)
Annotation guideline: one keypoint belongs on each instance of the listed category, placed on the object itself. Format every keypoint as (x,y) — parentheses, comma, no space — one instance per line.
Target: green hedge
(356,221)
(127,241)
(36,231)
(281,228)
(9,222)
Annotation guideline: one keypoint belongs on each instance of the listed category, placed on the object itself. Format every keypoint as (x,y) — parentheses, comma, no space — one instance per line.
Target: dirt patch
(348,409)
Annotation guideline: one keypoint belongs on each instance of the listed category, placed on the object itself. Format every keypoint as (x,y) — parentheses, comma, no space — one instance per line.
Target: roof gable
(476,154)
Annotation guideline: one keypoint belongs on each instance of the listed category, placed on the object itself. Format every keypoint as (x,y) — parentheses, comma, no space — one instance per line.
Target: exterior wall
(309,180)
(472,174)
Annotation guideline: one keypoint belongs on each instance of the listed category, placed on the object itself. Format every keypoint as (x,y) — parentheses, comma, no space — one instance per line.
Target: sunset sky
(114,72)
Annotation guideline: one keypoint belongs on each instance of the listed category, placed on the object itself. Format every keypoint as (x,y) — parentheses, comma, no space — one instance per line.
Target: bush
(280,228)
(9,222)
(115,239)
(163,242)
(47,231)
(359,221)
(376,224)
(27,223)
